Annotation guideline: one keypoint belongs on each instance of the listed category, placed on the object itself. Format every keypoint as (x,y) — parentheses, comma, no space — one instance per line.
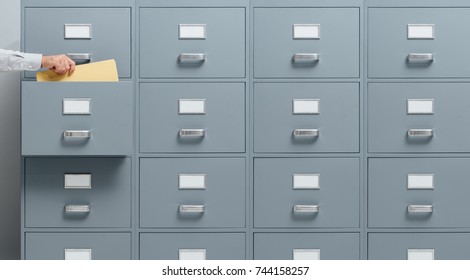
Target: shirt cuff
(32,61)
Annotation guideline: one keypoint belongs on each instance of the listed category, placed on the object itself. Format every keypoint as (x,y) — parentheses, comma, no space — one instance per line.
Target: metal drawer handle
(77,208)
(192,208)
(80,58)
(306,208)
(191,58)
(305,58)
(420,132)
(420,58)
(192,132)
(420,208)
(300,132)
(77,134)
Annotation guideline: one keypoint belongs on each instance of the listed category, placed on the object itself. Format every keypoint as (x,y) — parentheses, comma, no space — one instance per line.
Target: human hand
(60,64)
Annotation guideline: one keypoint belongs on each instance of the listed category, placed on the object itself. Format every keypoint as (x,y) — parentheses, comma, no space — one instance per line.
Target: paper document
(102,71)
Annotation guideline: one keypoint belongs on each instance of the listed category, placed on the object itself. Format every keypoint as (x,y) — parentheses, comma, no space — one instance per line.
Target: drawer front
(418,42)
(418,117)
(192,192)
(78,246)
(54,123)
(306,118)
(192,42)
(418,192)
(306,193)
(102,33)
(306,246)
(192,246)
(419,246)
(78,192)
(306,42)
(192,117)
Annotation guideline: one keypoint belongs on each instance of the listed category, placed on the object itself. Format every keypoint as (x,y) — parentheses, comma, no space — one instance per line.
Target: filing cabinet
(249,129)
(83,33)
(192,246)
(306,246)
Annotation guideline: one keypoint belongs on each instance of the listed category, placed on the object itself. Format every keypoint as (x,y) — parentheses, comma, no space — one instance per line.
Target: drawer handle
(80,58)
(300,132)
(77,208)
(192,208)
(420,208)
(306,208)
(305,58)
(420,58)
(77,134)
(192,132)
(191,58)
(420,132)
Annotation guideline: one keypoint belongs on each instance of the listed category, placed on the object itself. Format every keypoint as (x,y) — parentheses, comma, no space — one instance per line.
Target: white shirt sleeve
(17,61)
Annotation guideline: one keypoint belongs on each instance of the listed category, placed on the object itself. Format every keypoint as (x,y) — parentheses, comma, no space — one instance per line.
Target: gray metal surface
(337,47)
(218,246)
(108,199)
(275,197)
(104,246)
(389,121)
(394,246)
(337,121)
(389,45)
(332,246)
(110,121)
(223,197)
(389,196)
(110,34)
(160,46)
(223,121)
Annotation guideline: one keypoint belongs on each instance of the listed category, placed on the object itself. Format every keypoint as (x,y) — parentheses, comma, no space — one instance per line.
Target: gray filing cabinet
(249,129)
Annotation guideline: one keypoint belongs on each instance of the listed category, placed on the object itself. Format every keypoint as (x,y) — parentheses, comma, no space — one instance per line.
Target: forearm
(17,61)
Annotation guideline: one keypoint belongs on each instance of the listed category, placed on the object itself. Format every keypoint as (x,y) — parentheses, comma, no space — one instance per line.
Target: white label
(420,181)
(306,181)
(77,31)
(192,31)
(192,254)
(306,31)
(191,106)
(420,106)
(306,106)
(76,106)
(421,254)
(420,31)
(306,254)
(77,181)
(78,254)
(192,181)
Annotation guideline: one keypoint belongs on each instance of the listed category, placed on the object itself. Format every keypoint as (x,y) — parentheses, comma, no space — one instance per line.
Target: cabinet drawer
(192,246)
(303,192)
(78,192)
(306,42)
(419,117)
(418,42)
(418,192)
(77,118)
(192,42)
(101,33)
(192,192)
(192,117)
(306,246)
(303,117)
(419,246)
(78,246)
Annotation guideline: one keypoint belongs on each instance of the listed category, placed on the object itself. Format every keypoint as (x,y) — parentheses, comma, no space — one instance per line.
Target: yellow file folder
(103,71)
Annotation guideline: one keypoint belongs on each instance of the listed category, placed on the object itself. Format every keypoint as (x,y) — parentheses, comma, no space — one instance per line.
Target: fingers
(60,64)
